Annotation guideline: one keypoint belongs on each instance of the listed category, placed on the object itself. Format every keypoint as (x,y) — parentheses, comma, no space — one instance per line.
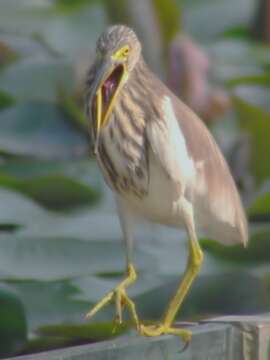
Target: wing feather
(169,145)
(222,202)
(187,151)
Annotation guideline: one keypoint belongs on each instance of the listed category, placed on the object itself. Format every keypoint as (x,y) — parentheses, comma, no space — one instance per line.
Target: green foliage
(13,328)
(256,122)
(66,6)
(55,191)
(73,110)
(56,336)
(6,100)
(94,331)
(47,77)
(257,250)
(261,206)
(169,18)
(261,79)
(7,55)
(117,11)
(39,130)
(208,19)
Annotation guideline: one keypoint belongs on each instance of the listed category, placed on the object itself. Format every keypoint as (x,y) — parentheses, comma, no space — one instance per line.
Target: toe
(103,302)
(157,330)
(152,330)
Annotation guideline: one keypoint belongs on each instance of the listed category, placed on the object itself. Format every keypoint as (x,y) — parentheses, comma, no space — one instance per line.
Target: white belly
(160,203)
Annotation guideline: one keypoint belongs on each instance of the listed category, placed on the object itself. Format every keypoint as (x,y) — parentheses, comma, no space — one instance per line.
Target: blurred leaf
(68,33)
(260,206)
(233,59)
(69,6)
(38,79)
(89,332)
(256,122)
(48,303)
(7,55)
(248,51)
(254,95)
(55,192)
(257,251)
(82,173)
(72,33)
(39,130)
(196,16)
(262,79)
(15,15)
(117,11)
(13,328)
(22,45)
(16,209)
(63,335)
(84,169)
(54,258)
(239,32)
(169,18)
(8,227)
(6,100)
(210,295)
(226,294)
(56,184)
(74,111)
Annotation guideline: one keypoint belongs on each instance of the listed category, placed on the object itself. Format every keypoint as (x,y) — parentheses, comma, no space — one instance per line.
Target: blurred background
(60,241)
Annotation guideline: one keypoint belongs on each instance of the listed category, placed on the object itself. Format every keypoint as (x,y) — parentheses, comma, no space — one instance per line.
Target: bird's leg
(119,294)
(193,266)
(120,297)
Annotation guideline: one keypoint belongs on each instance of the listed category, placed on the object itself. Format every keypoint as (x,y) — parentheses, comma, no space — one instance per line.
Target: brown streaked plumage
(160,161)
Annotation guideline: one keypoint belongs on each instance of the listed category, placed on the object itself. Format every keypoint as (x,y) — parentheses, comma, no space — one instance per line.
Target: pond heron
(160,161)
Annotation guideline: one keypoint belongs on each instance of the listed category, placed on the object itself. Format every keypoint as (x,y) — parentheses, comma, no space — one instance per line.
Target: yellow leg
(194,263)
(121,298)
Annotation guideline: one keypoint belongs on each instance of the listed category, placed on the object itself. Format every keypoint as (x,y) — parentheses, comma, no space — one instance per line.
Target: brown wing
(219,198)
(218,209)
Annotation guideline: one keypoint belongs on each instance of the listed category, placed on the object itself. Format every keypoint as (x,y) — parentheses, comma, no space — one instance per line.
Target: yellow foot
(160,329)
(121,299)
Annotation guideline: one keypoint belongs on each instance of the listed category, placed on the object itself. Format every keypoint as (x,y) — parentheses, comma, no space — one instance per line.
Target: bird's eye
(121,54)
(125,51)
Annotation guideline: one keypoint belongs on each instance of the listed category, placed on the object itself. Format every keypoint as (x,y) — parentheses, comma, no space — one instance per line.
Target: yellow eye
(121,54)
(125,51)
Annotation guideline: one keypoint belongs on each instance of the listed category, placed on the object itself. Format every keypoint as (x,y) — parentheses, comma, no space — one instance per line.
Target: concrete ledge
(224,338)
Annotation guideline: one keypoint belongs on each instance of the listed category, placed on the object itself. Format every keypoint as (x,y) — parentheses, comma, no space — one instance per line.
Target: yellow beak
(102,106)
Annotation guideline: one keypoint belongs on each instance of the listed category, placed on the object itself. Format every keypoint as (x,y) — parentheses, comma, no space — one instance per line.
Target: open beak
(107,84)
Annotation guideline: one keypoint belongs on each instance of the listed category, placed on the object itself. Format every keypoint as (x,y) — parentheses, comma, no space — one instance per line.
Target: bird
(161,163)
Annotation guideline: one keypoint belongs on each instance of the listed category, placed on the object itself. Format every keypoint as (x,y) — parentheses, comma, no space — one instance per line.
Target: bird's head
(117,53)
